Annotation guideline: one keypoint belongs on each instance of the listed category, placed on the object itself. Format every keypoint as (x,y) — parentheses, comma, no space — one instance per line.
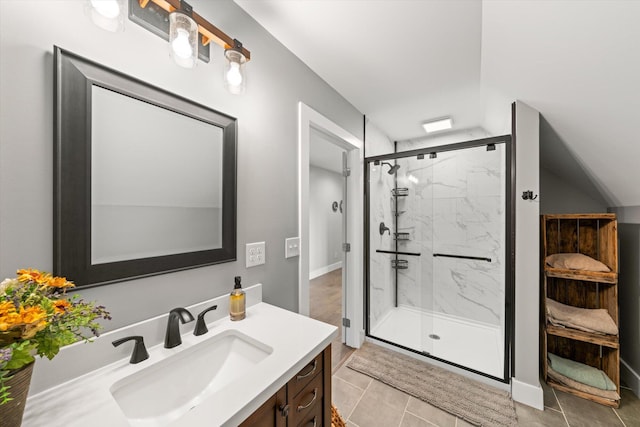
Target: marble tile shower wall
(456,205)
(381,275)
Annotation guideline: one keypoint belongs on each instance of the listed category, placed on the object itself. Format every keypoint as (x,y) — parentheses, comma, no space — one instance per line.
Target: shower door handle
(477,258)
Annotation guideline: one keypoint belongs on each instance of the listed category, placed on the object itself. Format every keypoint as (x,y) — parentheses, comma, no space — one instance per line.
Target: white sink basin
(166,390)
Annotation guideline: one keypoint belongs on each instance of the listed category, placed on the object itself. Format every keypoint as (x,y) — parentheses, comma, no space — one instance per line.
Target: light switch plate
(292,247)
(256,254)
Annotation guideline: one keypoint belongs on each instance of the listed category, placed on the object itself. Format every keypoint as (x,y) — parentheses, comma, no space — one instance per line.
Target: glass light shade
(183,39)
(106,14)
(235,79)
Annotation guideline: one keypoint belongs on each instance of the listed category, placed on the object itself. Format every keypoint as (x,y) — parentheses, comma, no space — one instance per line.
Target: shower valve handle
(384,228)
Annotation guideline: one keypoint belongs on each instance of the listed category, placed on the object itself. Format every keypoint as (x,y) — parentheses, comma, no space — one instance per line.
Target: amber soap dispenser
(237,301)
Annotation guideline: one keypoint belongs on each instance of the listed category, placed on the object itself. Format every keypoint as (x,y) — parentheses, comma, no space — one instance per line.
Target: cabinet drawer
(309,399)
(313,418)
(306,374)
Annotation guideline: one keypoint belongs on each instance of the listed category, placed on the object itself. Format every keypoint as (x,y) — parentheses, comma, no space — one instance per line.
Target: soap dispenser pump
(237,301)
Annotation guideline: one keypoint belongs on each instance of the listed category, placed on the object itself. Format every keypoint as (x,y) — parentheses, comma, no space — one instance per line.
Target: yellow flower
(9,316)
(61,305)
(32,275)
(32,314)
(59,282)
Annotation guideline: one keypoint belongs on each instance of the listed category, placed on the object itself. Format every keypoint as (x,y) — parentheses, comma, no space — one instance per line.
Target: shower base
(476,346)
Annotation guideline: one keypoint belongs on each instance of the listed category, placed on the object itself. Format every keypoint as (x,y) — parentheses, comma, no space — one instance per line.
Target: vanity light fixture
(234,77)
(433,155)
(183,36)
(438,125)
(186,26)
(106,14)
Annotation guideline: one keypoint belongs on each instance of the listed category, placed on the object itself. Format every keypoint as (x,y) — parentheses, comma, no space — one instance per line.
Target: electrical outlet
(256,254)
(292,247)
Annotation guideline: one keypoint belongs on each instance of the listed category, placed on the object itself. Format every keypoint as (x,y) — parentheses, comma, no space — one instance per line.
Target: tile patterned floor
(365,402)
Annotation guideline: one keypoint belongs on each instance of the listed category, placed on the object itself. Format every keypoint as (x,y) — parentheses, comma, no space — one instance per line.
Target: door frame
(352,290)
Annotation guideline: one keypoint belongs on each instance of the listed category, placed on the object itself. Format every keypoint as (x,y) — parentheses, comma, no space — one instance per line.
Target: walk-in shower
(439,245)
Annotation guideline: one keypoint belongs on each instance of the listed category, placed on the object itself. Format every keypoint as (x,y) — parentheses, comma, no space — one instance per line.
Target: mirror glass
(144,180)
(156,188)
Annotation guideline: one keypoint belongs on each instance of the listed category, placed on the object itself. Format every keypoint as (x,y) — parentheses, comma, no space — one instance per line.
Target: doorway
(312,122)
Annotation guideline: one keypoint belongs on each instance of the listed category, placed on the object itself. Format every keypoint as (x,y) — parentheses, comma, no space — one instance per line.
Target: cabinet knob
(284,410)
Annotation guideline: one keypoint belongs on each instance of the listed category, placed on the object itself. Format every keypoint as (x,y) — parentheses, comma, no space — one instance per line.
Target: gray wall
(267,143)
(559,196)
(629,294)
(325,225)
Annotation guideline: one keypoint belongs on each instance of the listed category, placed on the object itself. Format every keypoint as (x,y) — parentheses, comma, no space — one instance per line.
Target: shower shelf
(399,264)
(398,213)
(401,191)
(402,236)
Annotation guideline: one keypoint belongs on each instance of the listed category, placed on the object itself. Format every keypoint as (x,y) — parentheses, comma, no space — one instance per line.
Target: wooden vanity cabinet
(269,414)
(305,401)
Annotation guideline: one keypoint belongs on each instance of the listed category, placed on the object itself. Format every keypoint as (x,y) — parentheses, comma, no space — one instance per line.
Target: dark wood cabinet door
(273,413)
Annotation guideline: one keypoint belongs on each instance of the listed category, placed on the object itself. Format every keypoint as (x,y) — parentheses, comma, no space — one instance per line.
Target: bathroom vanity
(305,399)
(271,369)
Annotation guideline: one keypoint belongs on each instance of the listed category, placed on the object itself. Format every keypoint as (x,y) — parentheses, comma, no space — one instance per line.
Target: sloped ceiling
(401,62)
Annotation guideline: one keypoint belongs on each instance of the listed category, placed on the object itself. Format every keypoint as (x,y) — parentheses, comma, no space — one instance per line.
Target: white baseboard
(324,270)
(527,394)
(630,377)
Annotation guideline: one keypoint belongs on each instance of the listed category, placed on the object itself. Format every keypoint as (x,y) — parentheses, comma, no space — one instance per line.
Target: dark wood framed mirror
(144,180)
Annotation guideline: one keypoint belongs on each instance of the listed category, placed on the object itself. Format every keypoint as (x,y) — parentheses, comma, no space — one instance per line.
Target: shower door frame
(509,276)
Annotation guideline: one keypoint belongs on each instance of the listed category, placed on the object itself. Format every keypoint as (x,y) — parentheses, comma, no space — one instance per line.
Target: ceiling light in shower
(438,125)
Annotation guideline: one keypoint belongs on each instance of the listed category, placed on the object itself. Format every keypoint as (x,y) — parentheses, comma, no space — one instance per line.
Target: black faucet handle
(139,350)
(201,326)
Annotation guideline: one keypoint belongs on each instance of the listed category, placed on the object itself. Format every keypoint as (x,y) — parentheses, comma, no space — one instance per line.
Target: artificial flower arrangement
(37,318)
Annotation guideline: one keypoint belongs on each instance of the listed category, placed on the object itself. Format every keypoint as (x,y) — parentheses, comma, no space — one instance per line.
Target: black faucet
(172,337)
(139,350)
(201,327)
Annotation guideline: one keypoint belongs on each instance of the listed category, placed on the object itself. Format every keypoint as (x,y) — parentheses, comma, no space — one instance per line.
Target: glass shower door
(468,258)
(438,253)
(395,291)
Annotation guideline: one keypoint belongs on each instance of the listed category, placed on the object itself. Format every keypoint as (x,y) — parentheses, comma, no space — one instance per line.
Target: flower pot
(11,412)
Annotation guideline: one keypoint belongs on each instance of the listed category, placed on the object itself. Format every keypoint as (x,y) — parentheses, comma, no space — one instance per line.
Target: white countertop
(295,339)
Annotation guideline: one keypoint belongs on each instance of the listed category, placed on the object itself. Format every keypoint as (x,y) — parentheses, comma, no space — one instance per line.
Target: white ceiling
(402,62)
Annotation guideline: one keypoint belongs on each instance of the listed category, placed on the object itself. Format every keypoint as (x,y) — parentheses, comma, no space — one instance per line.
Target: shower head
(393,168)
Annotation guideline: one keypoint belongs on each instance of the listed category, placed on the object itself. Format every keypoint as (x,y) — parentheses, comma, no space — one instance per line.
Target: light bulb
(234,77)
(180,45)
(107,8)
